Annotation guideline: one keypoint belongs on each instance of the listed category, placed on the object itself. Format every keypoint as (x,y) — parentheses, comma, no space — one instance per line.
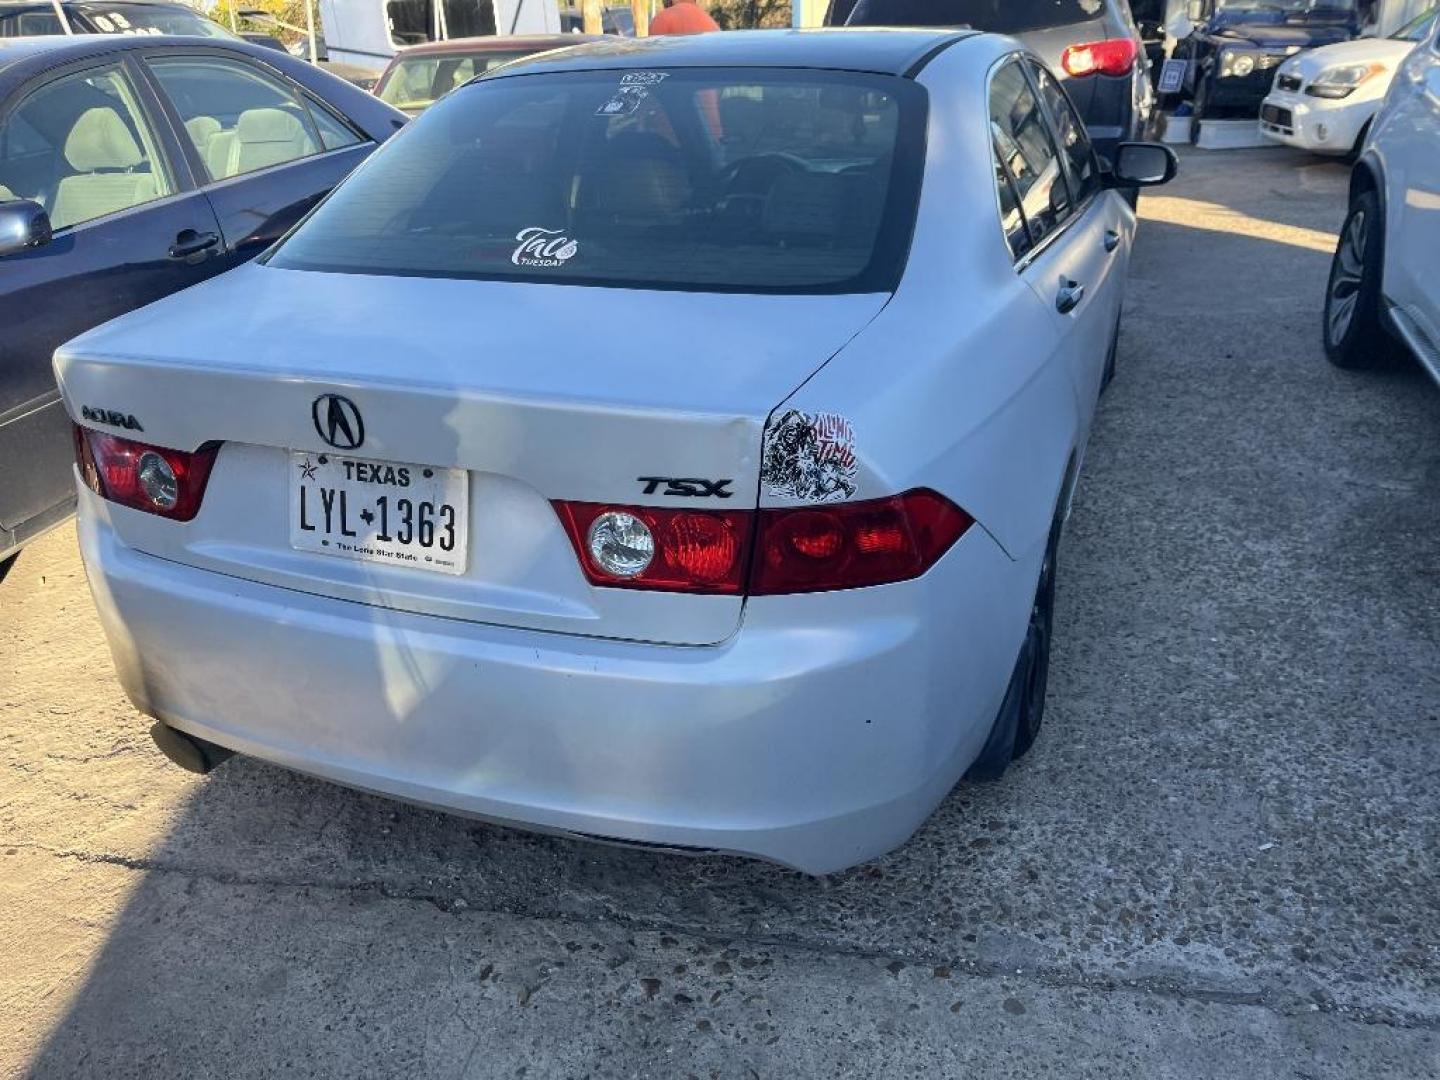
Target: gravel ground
(1221,860)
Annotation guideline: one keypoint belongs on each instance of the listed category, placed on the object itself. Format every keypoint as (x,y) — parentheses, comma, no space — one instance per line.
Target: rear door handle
(1112,239)
(1069,297)
(189,242)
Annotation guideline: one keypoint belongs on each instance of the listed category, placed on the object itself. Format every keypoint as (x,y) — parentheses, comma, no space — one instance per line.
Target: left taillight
(1115,57)
(651,547)
(155,479)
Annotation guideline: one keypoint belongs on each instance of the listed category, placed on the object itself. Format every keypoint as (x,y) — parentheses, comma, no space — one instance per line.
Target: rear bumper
(822,734)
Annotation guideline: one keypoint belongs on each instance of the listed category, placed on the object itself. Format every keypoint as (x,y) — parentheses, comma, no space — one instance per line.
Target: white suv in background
(1324,99)
(1384,287)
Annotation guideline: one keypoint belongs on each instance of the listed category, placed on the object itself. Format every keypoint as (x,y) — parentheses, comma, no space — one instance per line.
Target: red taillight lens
(1100,58)
(804,549)
(697,551)
(154,479)
(849,545)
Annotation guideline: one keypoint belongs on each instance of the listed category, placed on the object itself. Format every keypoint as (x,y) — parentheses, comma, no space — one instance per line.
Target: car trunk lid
(537,392)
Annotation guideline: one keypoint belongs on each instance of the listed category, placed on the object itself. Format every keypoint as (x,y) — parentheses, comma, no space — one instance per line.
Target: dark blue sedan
(132,167)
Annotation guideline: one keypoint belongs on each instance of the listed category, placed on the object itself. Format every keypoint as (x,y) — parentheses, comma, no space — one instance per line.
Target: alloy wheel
(1346,278)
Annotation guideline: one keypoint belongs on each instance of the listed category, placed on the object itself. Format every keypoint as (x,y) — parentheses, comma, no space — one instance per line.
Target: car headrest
(100,140)
(201,128)
(269,125)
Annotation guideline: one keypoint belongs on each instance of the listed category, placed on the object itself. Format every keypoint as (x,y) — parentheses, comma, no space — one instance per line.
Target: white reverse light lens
(620,544)
(157,480)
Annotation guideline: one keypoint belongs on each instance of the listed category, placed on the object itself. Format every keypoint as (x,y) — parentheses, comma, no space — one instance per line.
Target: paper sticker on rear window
(543,247)
(633,89)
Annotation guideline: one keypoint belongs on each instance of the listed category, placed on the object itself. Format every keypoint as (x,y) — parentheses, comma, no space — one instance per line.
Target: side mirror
(1195,11)
(23,225)
(1142,164)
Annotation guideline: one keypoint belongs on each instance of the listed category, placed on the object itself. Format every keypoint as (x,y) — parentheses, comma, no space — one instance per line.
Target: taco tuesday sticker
(809,456)
(633,89)
(543,247)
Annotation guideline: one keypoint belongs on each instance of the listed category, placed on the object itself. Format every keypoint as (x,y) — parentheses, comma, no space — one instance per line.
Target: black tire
(1108,376)
(1017,723)
(1353,326)
(1032,670)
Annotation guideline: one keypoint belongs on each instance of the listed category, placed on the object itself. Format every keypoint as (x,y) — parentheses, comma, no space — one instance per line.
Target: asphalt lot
(1222,859)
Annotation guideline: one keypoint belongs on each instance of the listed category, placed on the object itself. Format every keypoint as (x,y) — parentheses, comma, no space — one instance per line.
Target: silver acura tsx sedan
(662,442)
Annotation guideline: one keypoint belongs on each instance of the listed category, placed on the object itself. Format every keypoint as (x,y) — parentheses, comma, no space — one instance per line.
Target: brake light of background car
(157,480)
(795,549)
(1115,57)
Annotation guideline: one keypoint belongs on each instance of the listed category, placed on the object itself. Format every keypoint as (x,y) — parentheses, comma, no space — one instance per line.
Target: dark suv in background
(1236,45)
(1094,44)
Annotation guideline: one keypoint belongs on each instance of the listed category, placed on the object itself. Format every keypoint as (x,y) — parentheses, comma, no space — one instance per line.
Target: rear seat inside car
(260,138)
(110,173)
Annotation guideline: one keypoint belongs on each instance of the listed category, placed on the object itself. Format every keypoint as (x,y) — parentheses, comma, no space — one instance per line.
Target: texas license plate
(380,511)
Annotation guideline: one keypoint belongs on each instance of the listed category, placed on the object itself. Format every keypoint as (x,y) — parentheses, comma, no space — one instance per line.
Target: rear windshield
(139,19)
(422,80)
(997,16)
(703,179)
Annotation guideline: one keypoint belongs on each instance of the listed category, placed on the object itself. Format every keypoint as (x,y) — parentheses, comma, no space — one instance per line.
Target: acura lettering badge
(337,421)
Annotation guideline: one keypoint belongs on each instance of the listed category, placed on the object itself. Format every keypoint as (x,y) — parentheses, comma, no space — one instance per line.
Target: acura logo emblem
(337,421)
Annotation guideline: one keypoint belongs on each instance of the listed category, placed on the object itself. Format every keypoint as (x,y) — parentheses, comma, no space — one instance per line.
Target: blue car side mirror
(23,225)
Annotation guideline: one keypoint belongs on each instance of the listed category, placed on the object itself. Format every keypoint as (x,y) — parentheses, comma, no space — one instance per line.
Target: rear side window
(703,179)
(1070,134)
(240,119)
(1026,152)
(998,16)
(30,23)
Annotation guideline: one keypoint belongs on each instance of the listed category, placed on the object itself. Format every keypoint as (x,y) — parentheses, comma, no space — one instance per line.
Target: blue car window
(80,146)
(238,119)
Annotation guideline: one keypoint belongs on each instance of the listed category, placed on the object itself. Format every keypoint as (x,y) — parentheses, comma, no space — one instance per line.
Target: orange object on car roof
(682,17)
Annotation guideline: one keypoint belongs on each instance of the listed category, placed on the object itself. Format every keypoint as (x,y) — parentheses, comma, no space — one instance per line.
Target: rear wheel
(1108,376)
(1017,724)
(1033,668)
(1355,332)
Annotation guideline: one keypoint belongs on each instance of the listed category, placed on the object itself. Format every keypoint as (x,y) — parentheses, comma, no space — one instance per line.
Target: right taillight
(850,545)
(154,479)
(1115,57)
(843,545)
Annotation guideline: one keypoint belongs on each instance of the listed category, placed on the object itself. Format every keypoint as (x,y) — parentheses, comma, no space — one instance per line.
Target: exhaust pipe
(192,754)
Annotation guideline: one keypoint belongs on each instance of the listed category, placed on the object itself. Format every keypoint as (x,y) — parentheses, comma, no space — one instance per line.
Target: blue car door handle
(189,242)
(1069,297)
(1112,239)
